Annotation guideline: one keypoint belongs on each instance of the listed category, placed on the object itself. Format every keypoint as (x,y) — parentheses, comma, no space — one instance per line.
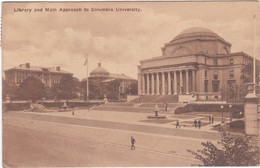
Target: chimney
(58,68)
(27,65)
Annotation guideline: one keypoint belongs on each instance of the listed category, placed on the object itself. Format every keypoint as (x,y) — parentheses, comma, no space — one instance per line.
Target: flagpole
(87,81)
(254,62)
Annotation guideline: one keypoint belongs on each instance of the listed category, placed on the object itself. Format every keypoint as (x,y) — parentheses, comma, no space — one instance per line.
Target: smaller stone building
(48,75)
(101,75)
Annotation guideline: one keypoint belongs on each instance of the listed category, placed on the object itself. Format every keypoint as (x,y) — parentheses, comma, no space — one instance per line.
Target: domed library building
(196,64)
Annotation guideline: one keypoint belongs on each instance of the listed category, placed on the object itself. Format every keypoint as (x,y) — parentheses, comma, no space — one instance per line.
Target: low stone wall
(26,105)
(131,97)
(186,98)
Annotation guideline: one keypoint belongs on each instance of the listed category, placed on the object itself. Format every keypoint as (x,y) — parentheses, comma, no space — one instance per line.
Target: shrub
(237,124)
(230,151)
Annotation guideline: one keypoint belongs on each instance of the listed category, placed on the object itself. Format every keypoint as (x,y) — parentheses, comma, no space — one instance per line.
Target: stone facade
(48,75)
(196,61)
(100,74)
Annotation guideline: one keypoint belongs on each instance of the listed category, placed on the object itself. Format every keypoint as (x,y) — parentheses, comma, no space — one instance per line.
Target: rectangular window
(215,76)
(231,73)
(206,86)
(215,86)
(215,61)
(206,74)
(231,61)
(205,60)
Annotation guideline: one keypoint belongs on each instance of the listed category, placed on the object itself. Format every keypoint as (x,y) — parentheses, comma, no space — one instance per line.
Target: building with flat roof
(196,62)
(48,75)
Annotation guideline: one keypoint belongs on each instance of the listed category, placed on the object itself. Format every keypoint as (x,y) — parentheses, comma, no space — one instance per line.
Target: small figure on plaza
(195,123)
(156,110)
(133,141)
(72,112)
(212,119)
(166,106)
(199,124)
(177,124)
(209,119)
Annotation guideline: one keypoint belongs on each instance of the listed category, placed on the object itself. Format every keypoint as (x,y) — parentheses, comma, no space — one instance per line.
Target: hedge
(209,108)
(16,106)
(237,124)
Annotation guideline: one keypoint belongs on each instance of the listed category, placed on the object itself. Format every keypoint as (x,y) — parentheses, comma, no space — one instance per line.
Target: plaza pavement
(127,121)
(115,128)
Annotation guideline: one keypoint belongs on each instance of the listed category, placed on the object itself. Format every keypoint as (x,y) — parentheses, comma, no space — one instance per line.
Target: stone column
(193,81)
(147,85)
(169,83)
(163,84)
(175,82)
(139,83)
(181,83)
(187,82)
(157,84)
(251,110)
(143,84)
(152,75)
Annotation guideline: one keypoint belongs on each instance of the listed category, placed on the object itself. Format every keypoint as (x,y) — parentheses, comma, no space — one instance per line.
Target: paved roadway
(46,140)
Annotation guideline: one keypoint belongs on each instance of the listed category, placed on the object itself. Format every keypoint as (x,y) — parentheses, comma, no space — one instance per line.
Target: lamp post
(222,107)
(230,112)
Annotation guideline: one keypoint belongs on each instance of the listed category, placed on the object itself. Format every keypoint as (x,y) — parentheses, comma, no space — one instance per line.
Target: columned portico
(169,82)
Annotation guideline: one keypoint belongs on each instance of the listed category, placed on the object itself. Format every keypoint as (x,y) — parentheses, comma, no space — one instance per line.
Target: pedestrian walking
(133,141)
(177,124)
(195,123)
(209,119)
(72,112)
(166,106)
(212,119)
(156,110)
(199,123)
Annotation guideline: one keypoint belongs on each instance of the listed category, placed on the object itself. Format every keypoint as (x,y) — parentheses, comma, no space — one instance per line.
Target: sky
(118,40)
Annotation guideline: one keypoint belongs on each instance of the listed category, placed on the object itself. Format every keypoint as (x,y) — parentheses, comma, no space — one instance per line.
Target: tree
(95,90)
(31,89)
(9,89)
(132,89)
(112,90)
(247,73)
(231,151)
(66,88)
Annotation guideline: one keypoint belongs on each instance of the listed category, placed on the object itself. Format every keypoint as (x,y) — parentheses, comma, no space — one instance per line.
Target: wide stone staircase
(137,107)
(157,99)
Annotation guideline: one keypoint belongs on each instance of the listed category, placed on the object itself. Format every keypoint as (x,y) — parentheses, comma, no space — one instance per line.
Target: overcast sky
(119,40)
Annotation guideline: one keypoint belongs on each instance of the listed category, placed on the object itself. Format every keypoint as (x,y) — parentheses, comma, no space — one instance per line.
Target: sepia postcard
(130,84)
